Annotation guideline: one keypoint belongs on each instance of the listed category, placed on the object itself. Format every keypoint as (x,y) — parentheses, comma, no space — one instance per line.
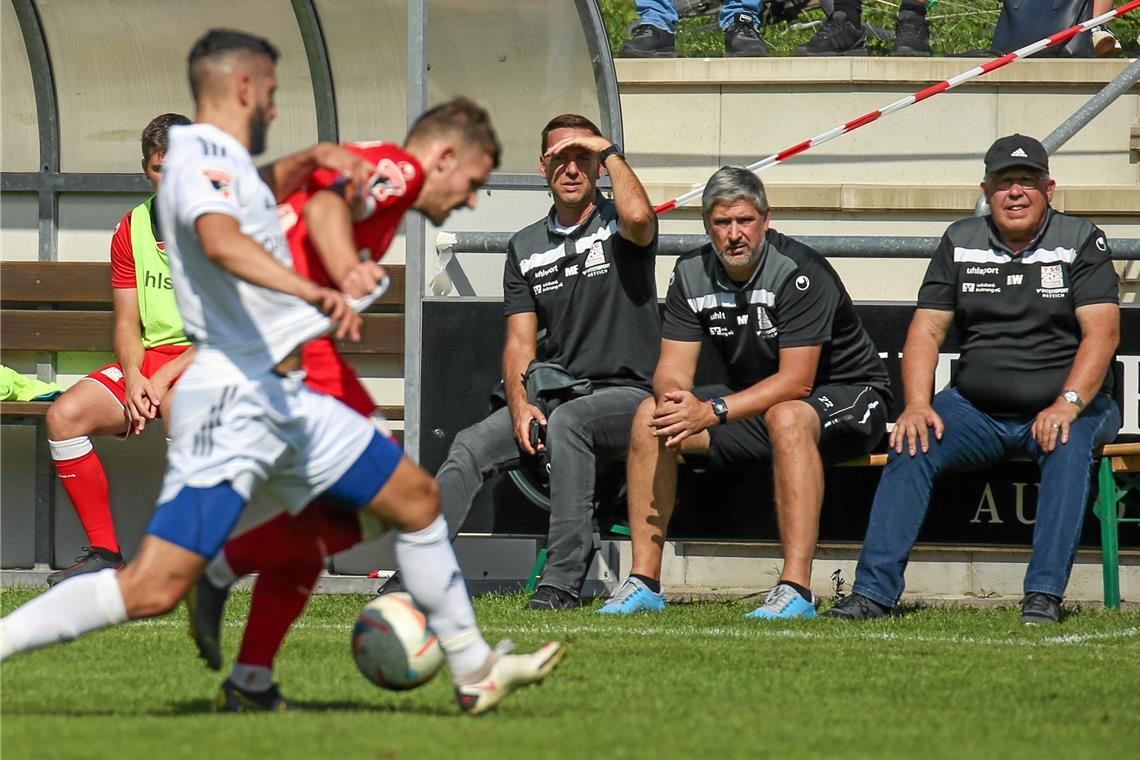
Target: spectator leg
(579,433)
(1066,473)
(971,440)
(478,452)
(794,429)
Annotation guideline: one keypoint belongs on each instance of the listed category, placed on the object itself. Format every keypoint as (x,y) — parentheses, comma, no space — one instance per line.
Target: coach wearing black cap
(1034,297)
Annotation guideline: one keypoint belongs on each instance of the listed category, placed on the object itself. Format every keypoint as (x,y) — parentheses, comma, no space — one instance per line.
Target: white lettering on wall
(987,505)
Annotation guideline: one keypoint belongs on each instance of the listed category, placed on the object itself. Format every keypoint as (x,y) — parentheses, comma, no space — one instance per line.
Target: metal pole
(320,70)
(1123,82)
(415,237)
(47,117)
(832,246)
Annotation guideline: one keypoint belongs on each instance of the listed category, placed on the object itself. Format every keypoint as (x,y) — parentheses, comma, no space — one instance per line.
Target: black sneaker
(205,604)
(1038,608)
(233,698)
(857,607)
(912,34)
(741,40)
(837,36)
(92,560)
(648,41)
(551,598)
(392,585)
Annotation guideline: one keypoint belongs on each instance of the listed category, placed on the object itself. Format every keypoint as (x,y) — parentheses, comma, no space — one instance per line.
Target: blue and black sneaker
(632,596)
(784,603)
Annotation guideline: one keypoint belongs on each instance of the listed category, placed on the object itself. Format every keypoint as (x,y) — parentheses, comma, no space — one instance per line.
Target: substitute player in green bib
(151,349)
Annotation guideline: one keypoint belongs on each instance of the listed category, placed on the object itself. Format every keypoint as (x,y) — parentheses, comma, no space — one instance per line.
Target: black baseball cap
(1016,150)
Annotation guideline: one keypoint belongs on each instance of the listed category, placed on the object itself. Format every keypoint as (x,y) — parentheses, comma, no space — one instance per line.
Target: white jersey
(240,329)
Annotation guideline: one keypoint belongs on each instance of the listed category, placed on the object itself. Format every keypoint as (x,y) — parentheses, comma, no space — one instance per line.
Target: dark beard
(258,128)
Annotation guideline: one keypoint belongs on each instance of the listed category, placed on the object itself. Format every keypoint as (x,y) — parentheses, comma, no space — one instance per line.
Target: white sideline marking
(758,633)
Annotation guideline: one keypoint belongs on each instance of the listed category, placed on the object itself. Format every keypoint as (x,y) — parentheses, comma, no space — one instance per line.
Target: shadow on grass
(206,707)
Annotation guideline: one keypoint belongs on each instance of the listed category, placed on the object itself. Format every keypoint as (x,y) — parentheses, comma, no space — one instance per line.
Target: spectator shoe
(857,607)
(912,34)
(1104,42)
(742,40)
(551,598)
(837,36)
(92,560)
(648,42)
(1038,608)
(632,596)
(784,603)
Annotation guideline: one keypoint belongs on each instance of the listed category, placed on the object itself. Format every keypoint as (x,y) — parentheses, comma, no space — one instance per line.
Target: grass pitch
(696,680)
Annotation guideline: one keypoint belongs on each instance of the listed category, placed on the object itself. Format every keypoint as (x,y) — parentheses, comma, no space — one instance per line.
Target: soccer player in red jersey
(447,156)
(151,350)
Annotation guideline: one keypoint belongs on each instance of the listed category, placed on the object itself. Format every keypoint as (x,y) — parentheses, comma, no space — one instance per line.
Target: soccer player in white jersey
(243,418)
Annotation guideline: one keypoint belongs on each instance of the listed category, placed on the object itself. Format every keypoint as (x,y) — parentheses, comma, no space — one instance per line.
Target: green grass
(955,26)
(697,680)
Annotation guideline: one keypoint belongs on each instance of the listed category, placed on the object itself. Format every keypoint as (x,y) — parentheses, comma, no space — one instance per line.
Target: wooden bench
(66,306)
(1118,472)
(53,307)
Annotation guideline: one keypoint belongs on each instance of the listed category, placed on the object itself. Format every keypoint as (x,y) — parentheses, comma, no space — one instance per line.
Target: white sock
(252,677)
(431,575)
(70,448)
(219,572)
(79,605)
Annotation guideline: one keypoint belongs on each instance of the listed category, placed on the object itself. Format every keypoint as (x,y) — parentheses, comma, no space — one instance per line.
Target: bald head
(220,54)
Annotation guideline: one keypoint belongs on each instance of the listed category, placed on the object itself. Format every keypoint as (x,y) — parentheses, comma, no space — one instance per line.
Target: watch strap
(613,150)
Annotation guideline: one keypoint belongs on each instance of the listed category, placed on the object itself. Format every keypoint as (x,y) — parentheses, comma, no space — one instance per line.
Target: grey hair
(733,183)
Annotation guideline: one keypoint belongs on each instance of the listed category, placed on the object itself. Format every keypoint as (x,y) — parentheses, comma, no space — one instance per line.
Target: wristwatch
(613,150)
(720,409)
(1073,398)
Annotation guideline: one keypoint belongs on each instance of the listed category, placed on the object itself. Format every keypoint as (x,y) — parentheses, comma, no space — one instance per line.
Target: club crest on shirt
(221,181)
(595,262)
(764,326)
(1052,276)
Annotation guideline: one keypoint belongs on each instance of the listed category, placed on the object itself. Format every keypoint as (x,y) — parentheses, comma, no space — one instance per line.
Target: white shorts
(272,432)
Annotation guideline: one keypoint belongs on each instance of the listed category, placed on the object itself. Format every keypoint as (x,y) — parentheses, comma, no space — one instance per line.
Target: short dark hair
(154,135)
(218,42)
(461,115)
(568,121)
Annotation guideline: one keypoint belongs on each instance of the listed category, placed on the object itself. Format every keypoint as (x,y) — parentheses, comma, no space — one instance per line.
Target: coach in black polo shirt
(1034,297)
(805,387)
(585,274)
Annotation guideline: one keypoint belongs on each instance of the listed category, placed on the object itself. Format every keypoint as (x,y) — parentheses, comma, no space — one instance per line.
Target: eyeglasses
(1025,182)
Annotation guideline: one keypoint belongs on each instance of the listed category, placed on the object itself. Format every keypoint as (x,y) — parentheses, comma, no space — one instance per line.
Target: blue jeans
(663,15)
(972,440)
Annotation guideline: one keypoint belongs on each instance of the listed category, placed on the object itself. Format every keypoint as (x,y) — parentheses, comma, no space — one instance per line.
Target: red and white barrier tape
(910,100)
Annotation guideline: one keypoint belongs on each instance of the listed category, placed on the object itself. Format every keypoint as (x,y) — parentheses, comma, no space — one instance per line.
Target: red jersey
(392,190)
(123,254)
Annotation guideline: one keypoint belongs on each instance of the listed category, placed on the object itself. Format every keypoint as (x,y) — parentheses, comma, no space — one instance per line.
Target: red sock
(290,555)
(86,485)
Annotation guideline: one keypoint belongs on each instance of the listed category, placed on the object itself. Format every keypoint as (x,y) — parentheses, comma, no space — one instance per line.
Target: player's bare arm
(328,218)
(141,403)
(1100,335)
(637,221)
(226,245)
(518,352)
(285,175)
(920,358)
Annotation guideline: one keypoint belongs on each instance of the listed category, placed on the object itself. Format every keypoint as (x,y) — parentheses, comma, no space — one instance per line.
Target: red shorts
(327,372)
(111,377)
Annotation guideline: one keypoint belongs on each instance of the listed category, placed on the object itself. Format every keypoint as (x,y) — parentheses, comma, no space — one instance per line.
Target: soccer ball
(392,645)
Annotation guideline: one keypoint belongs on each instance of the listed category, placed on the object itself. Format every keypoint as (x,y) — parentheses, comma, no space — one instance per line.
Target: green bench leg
(1106,510)
(536,571)
(618,529)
